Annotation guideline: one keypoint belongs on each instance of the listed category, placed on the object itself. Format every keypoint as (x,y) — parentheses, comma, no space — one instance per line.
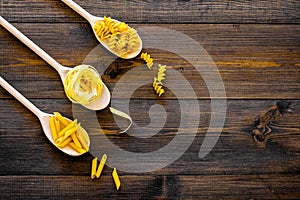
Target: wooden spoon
(99,104)
(92,20)
(43,117)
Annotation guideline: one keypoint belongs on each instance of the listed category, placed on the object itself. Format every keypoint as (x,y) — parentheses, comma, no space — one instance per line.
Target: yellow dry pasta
(67,128)
(101,165)
(53,128)
(83,84)
(147,58)
(79,150)
(161,72)
(118,36)
(94,167)
(60,118)
(82,138)
(76,141)
(123,43)
(57,125)
(71,130)
(122,114)
(157,83)
(158,88)
(65,142)
(116,179)
(72,135)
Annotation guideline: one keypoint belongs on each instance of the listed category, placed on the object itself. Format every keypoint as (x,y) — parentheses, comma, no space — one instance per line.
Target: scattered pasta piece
(101,165)
(118,36)
(147,58)
(122,114)
(161,72)
(83,84)
(157,83)
(68,133)
(116,179)
(158,88)
(94,167)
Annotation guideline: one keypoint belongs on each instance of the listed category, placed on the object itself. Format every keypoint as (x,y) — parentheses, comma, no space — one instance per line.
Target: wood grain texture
(255,46)
(235,153)
(259,59)
(153,187)
(175,11)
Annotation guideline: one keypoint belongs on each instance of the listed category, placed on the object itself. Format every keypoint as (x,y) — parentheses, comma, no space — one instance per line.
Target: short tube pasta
(53,129)
(71,135)
(101,165)
(79,150)
(116,179)
(65,142)
(94,168)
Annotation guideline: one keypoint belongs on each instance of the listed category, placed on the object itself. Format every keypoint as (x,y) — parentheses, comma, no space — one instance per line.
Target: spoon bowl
(42,116)
(99,104)
(93,19)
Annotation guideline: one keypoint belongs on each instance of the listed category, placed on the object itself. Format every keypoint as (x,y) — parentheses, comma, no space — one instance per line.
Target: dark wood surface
(254,44)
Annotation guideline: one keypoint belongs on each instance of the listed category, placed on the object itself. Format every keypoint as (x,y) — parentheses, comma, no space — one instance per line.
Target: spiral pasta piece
(118,36)
(161,72)
(147,58)
(83,84)
(158,88)
(157,83)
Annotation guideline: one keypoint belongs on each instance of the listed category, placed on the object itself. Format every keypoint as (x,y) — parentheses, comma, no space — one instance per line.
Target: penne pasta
(53,129)
(70,131)
(82,138)
(79,150)
(68,127)
(65,142)
(116,179)
(64,121)
(57,124)
(75,140)
(94,166)
(72,134)
(101,165)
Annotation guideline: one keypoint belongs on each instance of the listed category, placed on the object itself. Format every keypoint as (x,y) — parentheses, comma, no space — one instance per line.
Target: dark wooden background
(256,47)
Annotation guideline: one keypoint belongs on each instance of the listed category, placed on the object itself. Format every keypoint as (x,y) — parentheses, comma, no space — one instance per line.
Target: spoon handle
(21,98)
(30,44)
(79,10)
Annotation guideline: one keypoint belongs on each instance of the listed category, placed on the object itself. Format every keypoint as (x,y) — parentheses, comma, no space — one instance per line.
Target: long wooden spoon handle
(30,44)
(21,98)
(79,10)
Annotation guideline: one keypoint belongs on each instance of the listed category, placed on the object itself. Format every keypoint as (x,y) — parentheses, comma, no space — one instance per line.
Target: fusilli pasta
(157,83)
(147,58)
(118,36)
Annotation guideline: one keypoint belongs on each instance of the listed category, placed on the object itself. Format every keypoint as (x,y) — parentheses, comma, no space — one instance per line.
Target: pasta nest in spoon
(83,84)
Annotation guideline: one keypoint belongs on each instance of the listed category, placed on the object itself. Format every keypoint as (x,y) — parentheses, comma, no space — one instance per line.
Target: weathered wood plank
(235,153)
(157,11)
(253,60)
(277,186)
